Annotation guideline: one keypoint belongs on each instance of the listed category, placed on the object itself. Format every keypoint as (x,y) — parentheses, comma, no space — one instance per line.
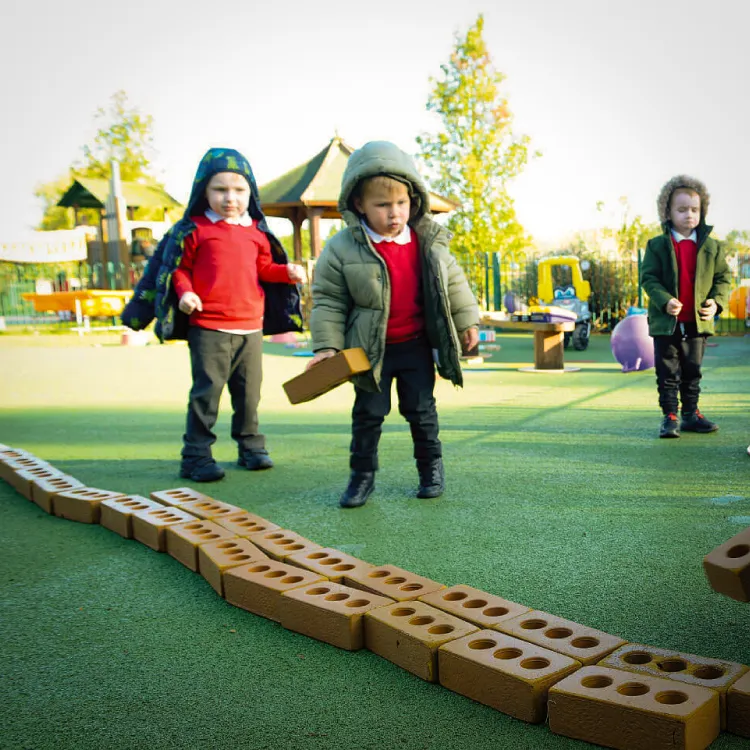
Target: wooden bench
(549,348)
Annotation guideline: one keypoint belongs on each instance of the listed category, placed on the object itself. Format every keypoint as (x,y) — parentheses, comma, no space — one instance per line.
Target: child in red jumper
(686,277)
(218,284)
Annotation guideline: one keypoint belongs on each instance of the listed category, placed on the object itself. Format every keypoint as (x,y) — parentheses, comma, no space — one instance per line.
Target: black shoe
(431,478)
(255,460)
(201,469)
(669,427)
(694,421)
(360,487)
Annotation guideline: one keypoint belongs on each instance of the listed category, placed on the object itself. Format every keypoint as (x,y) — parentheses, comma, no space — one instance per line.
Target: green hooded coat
(659,275)
(351,288)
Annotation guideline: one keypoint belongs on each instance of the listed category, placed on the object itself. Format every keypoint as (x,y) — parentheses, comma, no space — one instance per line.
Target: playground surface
(559,496)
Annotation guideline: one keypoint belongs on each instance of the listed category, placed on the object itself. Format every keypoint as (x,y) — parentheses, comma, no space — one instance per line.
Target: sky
(618,96)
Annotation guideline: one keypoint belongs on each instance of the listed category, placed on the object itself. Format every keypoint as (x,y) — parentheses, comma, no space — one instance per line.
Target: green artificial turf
(560,497)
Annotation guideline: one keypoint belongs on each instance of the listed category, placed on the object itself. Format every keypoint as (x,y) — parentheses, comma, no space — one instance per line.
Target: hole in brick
(633,688)
(284,541)
(223,511)
(739,550)
(403,612)
(672,665)
(534,624)
(358,603)
(212,536)
(495,612)
(637,657)
(160,513)
(410,587)
(259,568)
(317,555)
(482,643)
(139,506)
(474,604)
(440,629)
(227,545)
(319,591)
(295,547)
(331,561)
(130,503)
(337,597)
(273,536)
(379,574)
(536,662)
(559,633)
(239,557)
(507,653)
(170,517)
(671,697)
(274,574)
(201,531)
(344,566)
(584,642)
(422,620)
(394,580)
(455,596)
(708,672)
(596,681)
(291,579)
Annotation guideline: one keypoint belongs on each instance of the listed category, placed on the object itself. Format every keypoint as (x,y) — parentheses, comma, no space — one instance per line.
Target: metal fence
(495,281)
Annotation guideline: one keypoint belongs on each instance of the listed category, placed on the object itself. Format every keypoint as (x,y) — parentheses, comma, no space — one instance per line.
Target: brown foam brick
(329,612)
(258,586)
(395,583)
(564,636)
(82,504)
(178,496)
(210,509)
(246,524)
(216,557)
(483,609)
(738,707)
(149,526)
(10,468)
(613,708)
(330,562)
(728,567)
(44,491)
(23,480)
(117,514)
(503,672)
(16,460)
(409,634)
(673,665)
(184,539)
(281,543)
(326,375)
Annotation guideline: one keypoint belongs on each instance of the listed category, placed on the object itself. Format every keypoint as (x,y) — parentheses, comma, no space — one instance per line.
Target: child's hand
(708,310)
(470,339)
(674,306)
(190,301)
(320,356)
(297,274)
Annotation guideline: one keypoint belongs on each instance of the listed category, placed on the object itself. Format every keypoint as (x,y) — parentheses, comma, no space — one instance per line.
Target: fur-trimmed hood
(681,181)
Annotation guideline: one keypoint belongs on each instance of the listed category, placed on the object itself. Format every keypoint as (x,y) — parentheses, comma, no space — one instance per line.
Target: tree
(123,134)
(476,154)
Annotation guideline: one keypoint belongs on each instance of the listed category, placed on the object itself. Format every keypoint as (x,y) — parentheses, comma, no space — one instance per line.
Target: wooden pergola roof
(311,191)
(90,192)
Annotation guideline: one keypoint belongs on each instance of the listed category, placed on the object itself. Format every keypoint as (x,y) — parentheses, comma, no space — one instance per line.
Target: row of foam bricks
(526,663)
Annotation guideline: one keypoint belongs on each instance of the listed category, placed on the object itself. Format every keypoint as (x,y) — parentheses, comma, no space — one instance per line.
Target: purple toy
(631,345)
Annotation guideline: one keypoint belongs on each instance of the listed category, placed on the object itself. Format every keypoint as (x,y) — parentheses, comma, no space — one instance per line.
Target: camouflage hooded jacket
(154,295)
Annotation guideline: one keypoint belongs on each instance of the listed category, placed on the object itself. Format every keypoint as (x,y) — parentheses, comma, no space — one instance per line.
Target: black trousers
(677,360)
(218,359)
(411,365)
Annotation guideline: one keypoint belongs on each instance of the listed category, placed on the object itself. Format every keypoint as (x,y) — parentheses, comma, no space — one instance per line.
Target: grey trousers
(218,359)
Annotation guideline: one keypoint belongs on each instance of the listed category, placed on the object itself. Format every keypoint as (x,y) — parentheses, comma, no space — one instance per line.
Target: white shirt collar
(679,237)
(403,238)
(243,221)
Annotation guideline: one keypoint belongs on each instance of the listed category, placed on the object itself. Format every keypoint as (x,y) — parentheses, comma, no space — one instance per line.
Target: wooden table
(549,347)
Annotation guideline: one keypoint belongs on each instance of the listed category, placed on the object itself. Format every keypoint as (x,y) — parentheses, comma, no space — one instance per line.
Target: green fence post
(496,297)
(640,290)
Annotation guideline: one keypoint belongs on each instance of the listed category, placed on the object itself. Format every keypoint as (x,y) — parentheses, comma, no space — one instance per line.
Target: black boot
(254,460)
(200,469)
(669,427)
(361,485)
(431,478)
(694,421)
